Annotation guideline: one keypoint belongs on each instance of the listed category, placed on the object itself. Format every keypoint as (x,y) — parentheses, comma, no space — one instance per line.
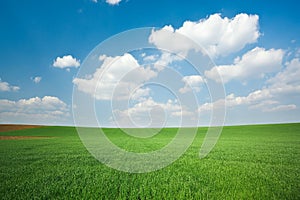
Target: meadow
(248,162)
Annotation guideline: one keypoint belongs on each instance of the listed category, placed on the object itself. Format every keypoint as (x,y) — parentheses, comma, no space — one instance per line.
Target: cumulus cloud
(113,2)
(140,94)
(144,111)
(36,79)
(168,39)
(6,87)
(117,78)
(255,63)
(193,82)
(271,98)
(44,110)
(149,113)
(165,60)
(66,62)
(288,77)
(259,99)
(217,35)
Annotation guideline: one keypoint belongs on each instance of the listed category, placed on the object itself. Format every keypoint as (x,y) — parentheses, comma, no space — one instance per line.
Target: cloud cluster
(217,35)
(259,99)
(192,82)
(164,60)
(253,64)
(280,88)
(140,94)
(168,38)
(116,78)
(149,113)
(48,109)
(6,87)
(66,62)
(290,76)
(122,78)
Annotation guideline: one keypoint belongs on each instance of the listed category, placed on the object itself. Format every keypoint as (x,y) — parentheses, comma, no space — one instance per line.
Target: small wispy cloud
(36,79)
(6,87)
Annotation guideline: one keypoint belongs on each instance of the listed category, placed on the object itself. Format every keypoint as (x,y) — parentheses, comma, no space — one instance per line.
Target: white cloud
(255,63)
(102,57)
(217,35)
(117,77)
(149,113)
(273,97)
(95,1)
(168,38)
(113,2)
(281,108)
(140,94)
(45,110)
(66,62)
(193,82)
(205,107)
(272,106)
(259,100)
(264,104)
(6,87)
(285,83)
(251,99)
(165,60)
(290,76)
(36,79)
(149,103)
(149,58)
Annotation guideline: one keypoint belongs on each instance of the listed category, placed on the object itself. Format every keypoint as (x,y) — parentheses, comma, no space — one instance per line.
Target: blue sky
(44,45)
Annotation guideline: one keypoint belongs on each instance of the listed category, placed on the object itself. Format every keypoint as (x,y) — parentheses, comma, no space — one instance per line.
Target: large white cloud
(66,62)
(116,78)
(255,63)
(217,35)
(273,97)
(46,110)
(6,87)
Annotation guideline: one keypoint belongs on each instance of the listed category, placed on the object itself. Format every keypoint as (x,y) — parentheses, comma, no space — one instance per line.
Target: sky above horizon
(46,48)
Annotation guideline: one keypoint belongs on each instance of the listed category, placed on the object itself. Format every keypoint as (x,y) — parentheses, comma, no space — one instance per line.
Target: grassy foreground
(248,162)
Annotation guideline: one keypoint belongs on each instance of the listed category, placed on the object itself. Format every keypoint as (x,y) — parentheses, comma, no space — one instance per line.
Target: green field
(248,162)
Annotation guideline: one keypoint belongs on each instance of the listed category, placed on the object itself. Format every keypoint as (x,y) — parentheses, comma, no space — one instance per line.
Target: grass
(248,162)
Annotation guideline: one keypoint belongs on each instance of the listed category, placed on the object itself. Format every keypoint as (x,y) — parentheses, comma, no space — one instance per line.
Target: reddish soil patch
(14,127)
(21,137)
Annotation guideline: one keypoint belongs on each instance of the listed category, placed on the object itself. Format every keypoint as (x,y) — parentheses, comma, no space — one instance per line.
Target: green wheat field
(248,162)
